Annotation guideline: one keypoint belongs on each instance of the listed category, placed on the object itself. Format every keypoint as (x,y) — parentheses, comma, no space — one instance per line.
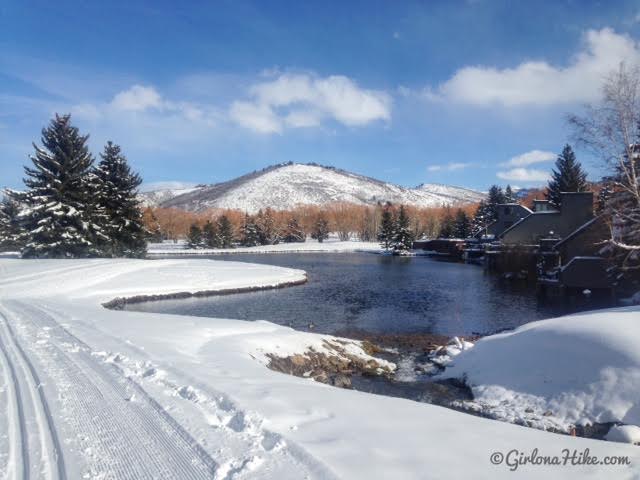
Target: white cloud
(521,174)
(146,103)
(449,167)
(304,100)
(257,117)
(137,98)
(529,158)
(538,82)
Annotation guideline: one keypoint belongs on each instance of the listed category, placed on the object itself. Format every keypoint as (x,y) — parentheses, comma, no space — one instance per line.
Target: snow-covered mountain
(158,197)
(286,186)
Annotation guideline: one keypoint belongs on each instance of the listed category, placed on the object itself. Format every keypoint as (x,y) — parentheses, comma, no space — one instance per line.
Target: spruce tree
(293,232)
(402,235)
(225,232)
(481,219)
(250,236)
(387,228)
(9,225)
(496,197)
(117,205)
(194,237)
(509,196)
(567,176)
(56,221)
(210,236)
(462,225)
(320,229)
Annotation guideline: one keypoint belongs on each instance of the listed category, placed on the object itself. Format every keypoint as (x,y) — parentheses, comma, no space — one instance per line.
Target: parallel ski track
(125,432)
(31,385)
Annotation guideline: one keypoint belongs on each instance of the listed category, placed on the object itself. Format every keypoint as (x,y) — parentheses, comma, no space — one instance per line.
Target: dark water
(377,294)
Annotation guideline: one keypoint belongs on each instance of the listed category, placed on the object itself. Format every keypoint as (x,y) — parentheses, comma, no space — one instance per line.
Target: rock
(298,360)
(341,381)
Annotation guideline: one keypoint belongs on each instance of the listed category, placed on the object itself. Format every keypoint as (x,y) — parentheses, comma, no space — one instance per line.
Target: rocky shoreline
(430,353)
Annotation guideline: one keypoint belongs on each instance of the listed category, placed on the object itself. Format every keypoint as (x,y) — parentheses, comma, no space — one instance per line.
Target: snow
(138,395)
(284,187)
(574,370)
(328,246)
(624,434)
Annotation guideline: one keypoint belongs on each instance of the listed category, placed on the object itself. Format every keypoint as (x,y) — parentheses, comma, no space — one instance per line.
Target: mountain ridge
(286,185)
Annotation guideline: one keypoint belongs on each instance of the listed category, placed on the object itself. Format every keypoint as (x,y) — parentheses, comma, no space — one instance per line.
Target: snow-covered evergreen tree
(250,236)
(194,237)
(117,205)
(210,237)
(462,227)
(55,219)
(9,225)
(482,218)
(293,232)
(402,235)
(387,229)
(320,229)
(509,196)
(568,176)
(496,197)
(225,232)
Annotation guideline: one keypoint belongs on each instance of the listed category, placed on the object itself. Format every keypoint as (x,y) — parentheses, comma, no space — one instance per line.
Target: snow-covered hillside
(285,186)
(156,197)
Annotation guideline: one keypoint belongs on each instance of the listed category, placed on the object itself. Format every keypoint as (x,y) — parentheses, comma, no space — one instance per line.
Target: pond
(379,294)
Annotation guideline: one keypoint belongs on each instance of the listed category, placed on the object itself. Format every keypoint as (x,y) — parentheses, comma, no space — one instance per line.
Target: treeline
(72,206)
(347,221)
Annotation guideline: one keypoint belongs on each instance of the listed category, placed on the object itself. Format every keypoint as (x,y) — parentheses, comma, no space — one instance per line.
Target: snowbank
(172,396)
(574,370)
(328,246)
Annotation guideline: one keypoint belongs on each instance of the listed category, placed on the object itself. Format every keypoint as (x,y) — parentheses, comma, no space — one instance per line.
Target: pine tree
(509,196)
(225,232)
(293,232)
(320,229)
(481,219)
(194,237)
(250,236)
(387,228)
(496,197)
(447,225)
(9,225)
(117,205)
(210,236)
(402,235)
(56,221)
(462,227)
(568,176)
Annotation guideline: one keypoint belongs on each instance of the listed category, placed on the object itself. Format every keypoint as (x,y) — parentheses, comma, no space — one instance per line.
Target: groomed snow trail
(110,426)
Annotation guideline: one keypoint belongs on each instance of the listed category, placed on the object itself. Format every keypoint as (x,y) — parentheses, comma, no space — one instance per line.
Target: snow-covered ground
(574,370)
(332,245)
(95,393)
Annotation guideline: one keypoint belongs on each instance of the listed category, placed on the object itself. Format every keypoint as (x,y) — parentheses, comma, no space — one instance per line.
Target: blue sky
(462,92)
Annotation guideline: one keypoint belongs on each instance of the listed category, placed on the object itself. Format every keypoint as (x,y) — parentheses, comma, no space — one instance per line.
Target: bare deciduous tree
(611,129)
